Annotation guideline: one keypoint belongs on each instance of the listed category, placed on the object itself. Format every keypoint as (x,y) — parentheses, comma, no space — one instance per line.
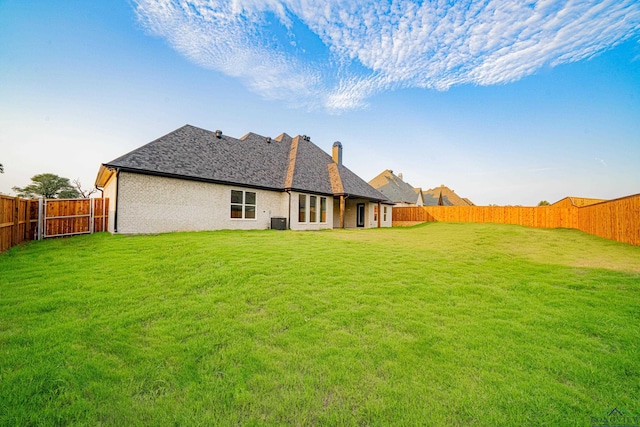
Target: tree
(85,194)
(49,186)
(544,203)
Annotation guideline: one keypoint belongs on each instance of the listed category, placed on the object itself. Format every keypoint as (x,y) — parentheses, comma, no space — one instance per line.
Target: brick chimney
(336,152)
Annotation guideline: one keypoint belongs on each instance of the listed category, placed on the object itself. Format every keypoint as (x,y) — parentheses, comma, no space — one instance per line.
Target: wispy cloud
(536,170)
(337,53)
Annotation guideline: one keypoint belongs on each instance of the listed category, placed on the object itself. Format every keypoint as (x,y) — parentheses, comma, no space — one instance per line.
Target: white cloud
(373,46)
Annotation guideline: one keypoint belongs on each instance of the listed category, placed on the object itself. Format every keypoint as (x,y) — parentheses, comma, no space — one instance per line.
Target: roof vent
(306,138)
(218,134)
(268,139)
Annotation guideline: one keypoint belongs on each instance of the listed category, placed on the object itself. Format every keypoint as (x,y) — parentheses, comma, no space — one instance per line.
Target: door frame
(360,214)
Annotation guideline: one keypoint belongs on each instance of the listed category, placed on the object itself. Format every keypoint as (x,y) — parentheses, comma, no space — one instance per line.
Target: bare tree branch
(85,194)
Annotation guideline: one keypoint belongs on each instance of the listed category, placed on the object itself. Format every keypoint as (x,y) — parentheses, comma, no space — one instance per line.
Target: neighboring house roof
(578,201)
(395,188)
(281,163)
(444,196)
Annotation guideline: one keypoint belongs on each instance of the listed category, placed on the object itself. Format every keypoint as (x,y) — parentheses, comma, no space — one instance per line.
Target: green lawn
(442,324)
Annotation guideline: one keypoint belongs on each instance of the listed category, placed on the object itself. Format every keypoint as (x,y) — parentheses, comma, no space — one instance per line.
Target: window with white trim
(323,209)
(302,208)
(243,204)
(313,209)
(384,217)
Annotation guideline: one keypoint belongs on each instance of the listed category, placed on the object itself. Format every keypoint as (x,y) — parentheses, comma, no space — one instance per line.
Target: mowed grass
(443,324)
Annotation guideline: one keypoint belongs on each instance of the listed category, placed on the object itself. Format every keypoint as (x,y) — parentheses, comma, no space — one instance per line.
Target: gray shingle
(193,153)
(356,186)
(394,188)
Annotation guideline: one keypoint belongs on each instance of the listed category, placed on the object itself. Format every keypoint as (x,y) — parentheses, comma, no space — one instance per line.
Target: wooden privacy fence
(36,219)
(617,219)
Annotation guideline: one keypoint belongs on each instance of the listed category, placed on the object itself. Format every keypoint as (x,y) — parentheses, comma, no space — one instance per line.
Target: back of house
(193,179)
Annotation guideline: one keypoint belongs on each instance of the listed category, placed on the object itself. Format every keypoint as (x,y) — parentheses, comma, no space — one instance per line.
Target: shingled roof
(394,187)
(282,163)
(433,196)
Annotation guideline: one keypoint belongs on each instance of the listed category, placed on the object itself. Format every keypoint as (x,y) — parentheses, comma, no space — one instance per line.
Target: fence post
(16,222)
(40,219)
(91,215)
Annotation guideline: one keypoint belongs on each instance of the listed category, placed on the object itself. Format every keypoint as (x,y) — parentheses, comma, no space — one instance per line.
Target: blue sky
(505,102)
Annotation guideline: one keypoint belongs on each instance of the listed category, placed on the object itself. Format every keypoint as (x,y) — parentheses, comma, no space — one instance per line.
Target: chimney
(336,153)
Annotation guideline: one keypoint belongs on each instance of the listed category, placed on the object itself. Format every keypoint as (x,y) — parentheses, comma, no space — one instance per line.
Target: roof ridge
(293,154)
(248,134)
(335,179)
(281,137)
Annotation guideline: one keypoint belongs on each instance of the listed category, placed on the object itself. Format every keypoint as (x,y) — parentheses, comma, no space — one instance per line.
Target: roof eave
(104,175)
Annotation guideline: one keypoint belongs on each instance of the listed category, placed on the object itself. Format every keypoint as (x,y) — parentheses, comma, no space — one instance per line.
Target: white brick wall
(151,204)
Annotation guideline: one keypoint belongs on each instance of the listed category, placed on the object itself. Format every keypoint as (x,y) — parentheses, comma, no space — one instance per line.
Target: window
(375,213)
(313,212)
(384,217)
(323,209)
(302,208)
(243,204)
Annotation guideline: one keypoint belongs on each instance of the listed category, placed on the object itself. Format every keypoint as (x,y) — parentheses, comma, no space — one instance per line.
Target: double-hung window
(302,208)
(384,217)
(313,208)
(243,204)
(323,209)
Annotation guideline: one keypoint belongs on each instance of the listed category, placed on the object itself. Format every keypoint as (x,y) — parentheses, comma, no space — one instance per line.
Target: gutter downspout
(115,214)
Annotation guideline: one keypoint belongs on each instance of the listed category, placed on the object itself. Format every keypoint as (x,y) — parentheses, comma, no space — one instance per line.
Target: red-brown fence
(31,219)
(16,221)
(73,216)
(617,219)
